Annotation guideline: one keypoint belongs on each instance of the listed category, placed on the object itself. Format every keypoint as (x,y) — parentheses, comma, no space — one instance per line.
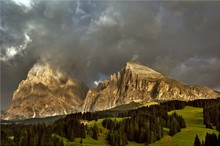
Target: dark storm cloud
(92,39)
(203,69)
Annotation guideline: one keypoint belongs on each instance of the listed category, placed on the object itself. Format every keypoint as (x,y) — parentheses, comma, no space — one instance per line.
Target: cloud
(26,3)
(135,56)
(101,78)
(198,66)
(12,51)
(97,82)
(89,38)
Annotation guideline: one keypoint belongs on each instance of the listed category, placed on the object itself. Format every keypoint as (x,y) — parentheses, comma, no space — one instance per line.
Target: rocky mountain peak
(43,72)
(141,70)
(138,83)
(46,92)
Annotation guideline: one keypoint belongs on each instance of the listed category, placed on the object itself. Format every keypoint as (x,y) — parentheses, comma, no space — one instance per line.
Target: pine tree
(142,136)
(174,127)
(71,136)
(131,131)
(83,131)
(218,141)
(95,132)
(197,141)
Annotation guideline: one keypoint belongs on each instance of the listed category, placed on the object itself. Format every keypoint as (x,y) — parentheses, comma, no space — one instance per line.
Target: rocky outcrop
(46,92)
(139,83)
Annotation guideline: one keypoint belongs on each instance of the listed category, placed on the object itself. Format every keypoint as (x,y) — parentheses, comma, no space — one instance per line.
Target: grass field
(194,125)
(88,141)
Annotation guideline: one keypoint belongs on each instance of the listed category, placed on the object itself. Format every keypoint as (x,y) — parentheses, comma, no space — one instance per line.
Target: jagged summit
(138,83)
(46,74)
(142,70)
(43,72)
(46,92)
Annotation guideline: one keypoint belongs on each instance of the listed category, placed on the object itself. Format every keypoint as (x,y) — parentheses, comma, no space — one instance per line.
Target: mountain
(138,83)
(45,92)
(48,92)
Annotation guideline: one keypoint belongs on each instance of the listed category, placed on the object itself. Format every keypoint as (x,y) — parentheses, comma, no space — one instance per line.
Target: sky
(90,40)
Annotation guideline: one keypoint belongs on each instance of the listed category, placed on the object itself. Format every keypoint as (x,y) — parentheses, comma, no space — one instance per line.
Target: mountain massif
(47,92)
(138,83)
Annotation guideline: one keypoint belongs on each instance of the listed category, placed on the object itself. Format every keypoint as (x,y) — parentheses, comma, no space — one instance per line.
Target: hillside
(194,125)
(141,84)
(168,123)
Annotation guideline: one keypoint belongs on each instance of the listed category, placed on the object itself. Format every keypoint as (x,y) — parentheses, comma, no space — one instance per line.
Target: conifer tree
(95,132)
(174,127)
(197,141)
(72,137)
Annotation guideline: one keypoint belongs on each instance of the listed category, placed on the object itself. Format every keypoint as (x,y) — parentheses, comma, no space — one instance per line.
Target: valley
(92,130)
(194,125)
(110,72)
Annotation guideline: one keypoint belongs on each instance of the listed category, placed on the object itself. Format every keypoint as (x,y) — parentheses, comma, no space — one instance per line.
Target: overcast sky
(92,39)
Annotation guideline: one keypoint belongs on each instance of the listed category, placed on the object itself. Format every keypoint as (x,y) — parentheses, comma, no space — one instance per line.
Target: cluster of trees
(157,110)
(26,135)
(95,132)
(42,134)
(143,125)
(175,123)
(203,103)
(211,116)
(210,140)
(116,135)
(160,109)
(144,128)
(70,128)
(139,128)
(143,122)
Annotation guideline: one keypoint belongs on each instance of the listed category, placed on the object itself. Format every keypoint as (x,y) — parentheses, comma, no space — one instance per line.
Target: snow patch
(64,110)
(54,114)
(137,100)
(34,113)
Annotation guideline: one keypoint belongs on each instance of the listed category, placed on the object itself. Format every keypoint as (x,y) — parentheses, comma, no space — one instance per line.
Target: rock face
(48,92)
(45,92)
(139,83)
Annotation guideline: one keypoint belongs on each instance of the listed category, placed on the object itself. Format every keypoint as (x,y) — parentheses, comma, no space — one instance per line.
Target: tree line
(26,135)
(211,116)
(210,140)
(143,125)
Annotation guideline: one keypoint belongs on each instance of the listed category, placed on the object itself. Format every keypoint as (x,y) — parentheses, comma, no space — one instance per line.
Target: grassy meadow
(194,125)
